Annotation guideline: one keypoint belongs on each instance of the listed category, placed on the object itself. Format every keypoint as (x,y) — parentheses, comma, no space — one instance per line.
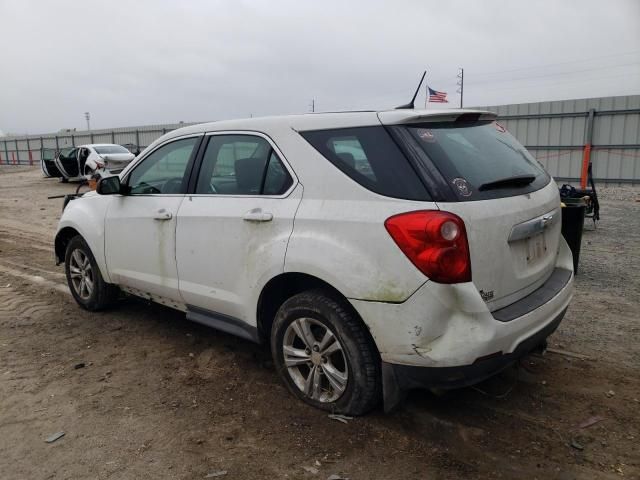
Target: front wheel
(83,276)
(324,354)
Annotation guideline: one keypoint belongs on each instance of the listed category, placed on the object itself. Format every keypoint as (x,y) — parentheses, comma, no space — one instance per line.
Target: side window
(163,170)
(241,165)
(370,157)
(350,152)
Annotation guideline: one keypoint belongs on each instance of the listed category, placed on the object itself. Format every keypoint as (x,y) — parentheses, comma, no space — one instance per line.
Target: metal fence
(563,135)
(27,149)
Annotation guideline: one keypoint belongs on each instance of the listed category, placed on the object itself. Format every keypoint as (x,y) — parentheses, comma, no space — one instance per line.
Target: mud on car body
(374,252)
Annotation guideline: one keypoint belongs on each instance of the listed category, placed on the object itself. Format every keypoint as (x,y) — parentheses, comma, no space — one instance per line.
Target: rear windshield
(369,156)
(106,149)
(479,160)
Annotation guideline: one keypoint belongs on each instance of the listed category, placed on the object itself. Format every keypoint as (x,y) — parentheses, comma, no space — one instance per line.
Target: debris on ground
(54,437)
(312,470)
(590,421)
(567,353)
(576,445)
(77,366)
(610,393)
(340,418)
(217,473)
(335,476)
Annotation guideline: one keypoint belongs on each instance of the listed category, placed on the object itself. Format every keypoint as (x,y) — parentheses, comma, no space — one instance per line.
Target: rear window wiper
(515,181)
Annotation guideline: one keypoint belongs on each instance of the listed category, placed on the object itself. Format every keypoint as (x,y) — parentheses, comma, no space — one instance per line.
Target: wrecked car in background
(85,161)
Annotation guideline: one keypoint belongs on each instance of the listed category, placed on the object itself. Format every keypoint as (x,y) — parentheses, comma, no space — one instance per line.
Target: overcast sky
(139,62)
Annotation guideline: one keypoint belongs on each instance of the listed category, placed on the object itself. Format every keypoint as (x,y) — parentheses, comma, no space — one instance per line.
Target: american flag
(437,97)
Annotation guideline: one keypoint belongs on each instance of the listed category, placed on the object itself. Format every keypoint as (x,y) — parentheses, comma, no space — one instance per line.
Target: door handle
(162,214)
(257,215)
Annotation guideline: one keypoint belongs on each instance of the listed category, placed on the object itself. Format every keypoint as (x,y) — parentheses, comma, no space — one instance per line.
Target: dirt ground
(160,397)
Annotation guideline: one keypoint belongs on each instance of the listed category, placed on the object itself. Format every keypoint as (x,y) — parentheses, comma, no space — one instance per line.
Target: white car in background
(375,252)
(87,160)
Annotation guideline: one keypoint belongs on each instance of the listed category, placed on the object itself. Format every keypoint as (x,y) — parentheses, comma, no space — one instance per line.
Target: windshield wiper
(515,181)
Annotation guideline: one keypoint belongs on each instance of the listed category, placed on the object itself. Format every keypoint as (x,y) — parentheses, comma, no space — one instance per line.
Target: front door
(140,226)
(233,232)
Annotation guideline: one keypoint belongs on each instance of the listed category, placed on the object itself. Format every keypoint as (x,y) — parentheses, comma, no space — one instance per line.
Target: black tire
(102,294)
(64,180)
(363,386)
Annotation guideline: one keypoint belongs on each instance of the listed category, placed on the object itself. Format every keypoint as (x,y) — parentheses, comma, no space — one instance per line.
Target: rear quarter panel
(339,234)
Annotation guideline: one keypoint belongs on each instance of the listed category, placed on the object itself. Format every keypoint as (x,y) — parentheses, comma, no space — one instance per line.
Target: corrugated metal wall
(25,150)
(556,133)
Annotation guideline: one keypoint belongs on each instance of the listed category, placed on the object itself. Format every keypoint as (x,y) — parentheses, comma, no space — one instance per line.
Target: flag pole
(426,95)
(461,84)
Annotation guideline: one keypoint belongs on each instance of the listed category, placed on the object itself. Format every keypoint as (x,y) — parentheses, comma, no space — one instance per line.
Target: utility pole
(313,105)
(460,84)
(87,117)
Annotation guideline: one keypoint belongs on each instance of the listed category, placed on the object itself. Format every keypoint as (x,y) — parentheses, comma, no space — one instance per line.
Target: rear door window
(241,165)
(369,156)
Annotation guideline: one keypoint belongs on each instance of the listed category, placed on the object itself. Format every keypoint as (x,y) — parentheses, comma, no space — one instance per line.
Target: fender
(86,215)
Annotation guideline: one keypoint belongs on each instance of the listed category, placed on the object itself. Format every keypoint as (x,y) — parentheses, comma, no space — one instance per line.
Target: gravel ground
(142,393)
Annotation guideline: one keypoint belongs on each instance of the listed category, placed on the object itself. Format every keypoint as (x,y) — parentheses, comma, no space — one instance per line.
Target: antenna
(410,105)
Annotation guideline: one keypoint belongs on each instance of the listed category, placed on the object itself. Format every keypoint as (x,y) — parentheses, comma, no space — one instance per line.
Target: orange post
(0,159)
(30,158)
(586,152)
(586,159)
(13,158)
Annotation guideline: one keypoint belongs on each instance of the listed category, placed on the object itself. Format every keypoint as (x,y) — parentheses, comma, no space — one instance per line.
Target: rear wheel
(83,276)
(324,354)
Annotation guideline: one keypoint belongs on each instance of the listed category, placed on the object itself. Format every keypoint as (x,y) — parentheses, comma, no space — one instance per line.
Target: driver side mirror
(109,186)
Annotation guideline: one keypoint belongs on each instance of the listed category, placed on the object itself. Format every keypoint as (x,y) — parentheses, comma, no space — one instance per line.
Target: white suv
(375,252)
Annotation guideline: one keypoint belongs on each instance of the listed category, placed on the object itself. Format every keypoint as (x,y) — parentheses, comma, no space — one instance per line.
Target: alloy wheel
(315,360)
(81,274)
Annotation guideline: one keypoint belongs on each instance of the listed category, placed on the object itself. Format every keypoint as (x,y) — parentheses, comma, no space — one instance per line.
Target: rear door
(67,162)
(47,163)
(509,204)
(232,233)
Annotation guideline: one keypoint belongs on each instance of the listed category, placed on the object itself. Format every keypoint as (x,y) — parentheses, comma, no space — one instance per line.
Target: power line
(579,80)
(557,74)
(535,67)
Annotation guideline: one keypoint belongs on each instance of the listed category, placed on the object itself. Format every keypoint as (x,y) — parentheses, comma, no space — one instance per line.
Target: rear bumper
(443,326)
(407,377)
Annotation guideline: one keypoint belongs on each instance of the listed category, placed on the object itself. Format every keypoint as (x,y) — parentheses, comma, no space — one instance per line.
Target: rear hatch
(477,170)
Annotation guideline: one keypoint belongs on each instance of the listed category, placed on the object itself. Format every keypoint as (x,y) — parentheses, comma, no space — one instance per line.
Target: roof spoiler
(396,117)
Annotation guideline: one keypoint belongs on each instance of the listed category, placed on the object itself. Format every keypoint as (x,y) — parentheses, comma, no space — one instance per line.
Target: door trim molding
(224,323)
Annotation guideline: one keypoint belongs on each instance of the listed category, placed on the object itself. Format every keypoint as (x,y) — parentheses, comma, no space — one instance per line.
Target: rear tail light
(435,242)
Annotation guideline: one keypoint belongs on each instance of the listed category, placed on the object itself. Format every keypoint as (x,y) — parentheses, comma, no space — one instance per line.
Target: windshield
(105,149)
(471,155)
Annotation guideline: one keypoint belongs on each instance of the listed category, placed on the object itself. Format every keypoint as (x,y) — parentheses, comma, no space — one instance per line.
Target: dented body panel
(451,325)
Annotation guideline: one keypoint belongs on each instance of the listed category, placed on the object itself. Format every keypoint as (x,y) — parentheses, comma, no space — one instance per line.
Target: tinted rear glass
(369,156)
(470,155)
